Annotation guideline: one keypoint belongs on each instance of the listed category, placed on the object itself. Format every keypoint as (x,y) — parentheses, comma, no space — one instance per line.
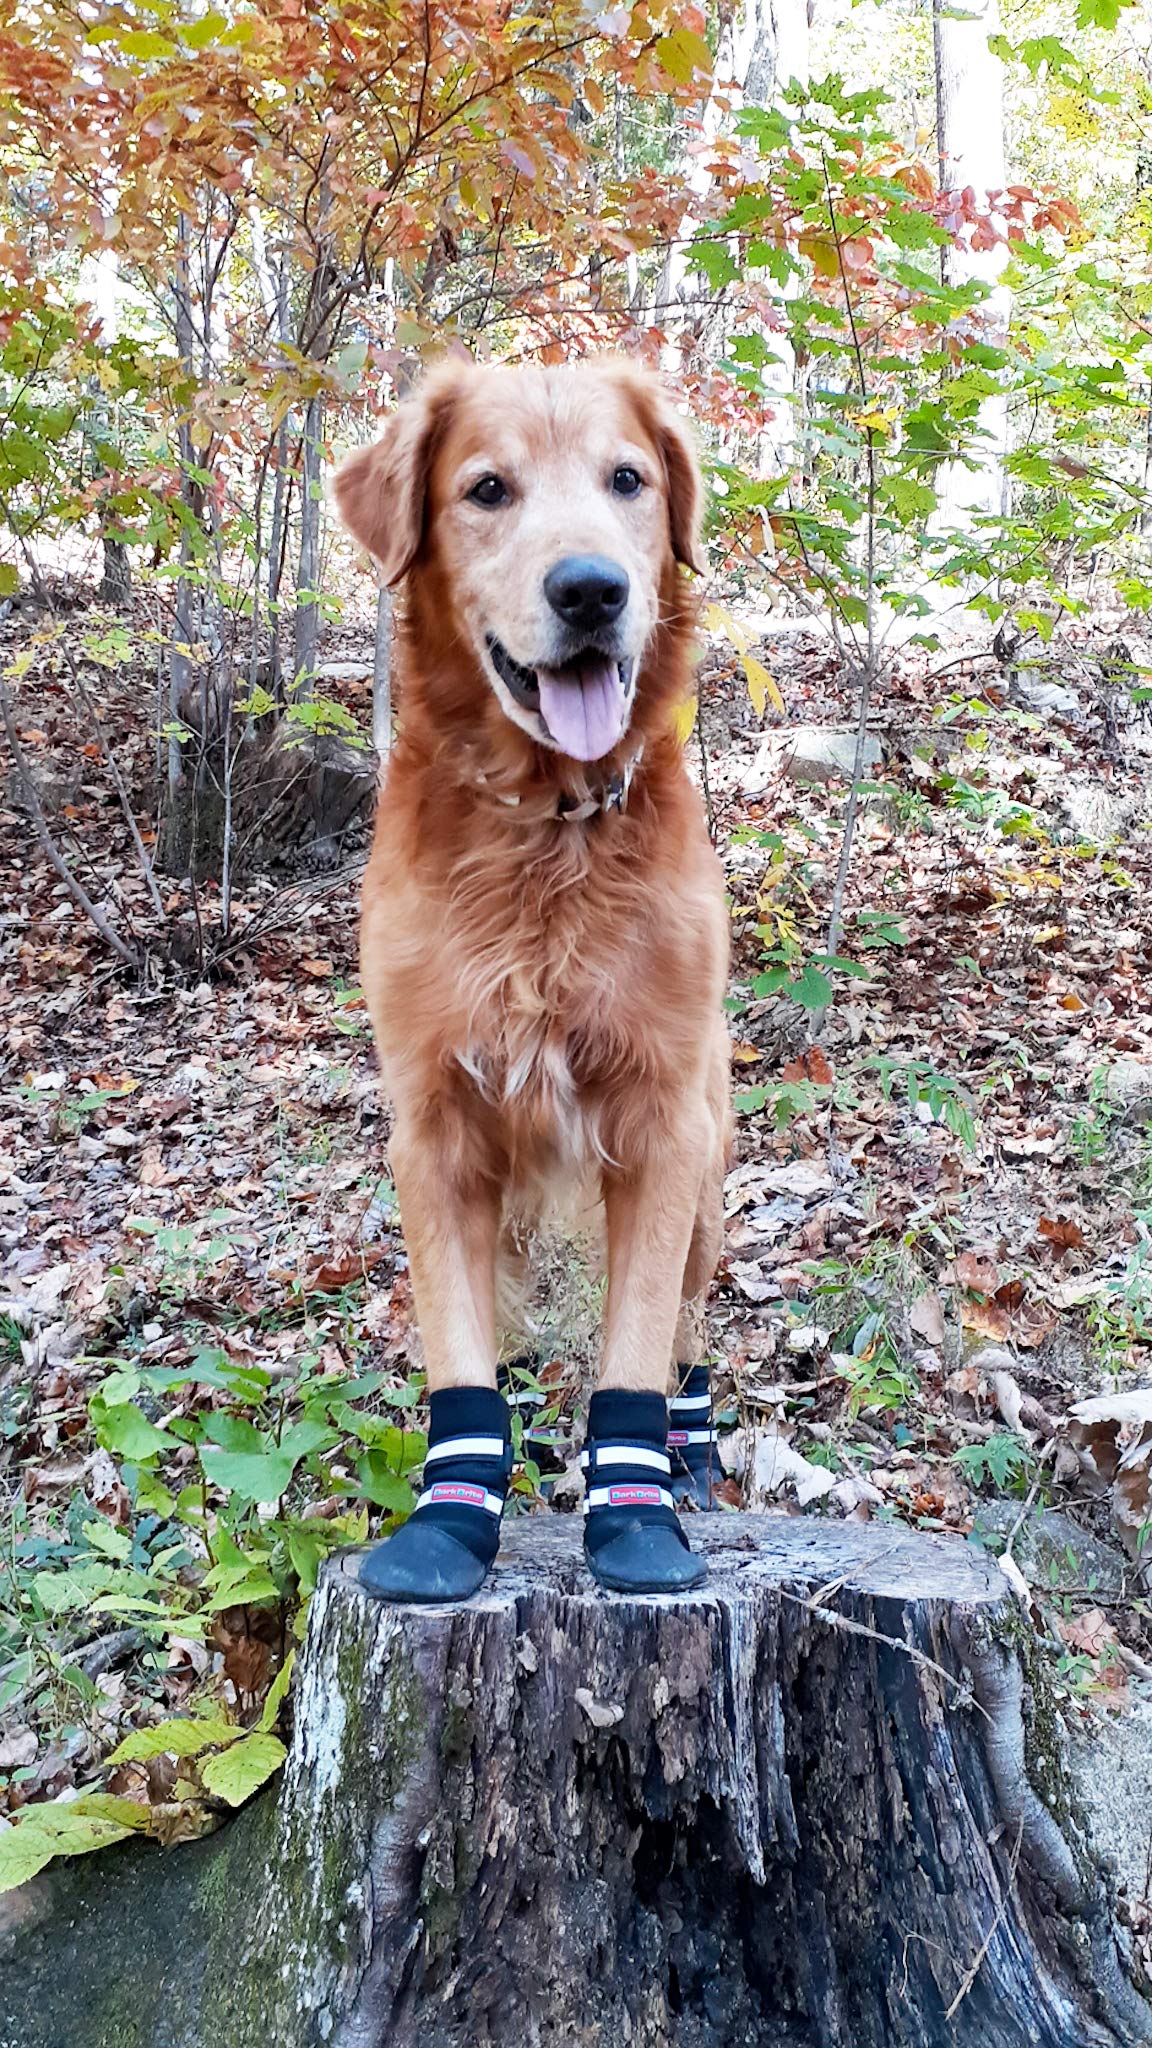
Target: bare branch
(74,887)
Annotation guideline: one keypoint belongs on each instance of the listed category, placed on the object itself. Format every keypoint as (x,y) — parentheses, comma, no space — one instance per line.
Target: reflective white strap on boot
(465,1447)
(625,1454)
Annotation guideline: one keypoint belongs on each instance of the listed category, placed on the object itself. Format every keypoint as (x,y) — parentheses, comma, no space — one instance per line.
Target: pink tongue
(584,706)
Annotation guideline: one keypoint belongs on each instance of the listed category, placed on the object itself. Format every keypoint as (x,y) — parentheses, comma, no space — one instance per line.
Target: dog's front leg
(451,1217)
(650,1215)
(633,1538)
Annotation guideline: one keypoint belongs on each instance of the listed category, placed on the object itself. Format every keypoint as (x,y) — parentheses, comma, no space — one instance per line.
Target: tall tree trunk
(759,49)
(1145,514)
(180,664)
(116,577)
(281,493)
(317,338)
(382,677)
(100,273)
(970,139)
(781,56)
(308,561)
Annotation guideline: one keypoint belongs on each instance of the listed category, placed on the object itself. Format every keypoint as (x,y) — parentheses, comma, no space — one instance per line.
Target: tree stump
(790,1810)
(297,797)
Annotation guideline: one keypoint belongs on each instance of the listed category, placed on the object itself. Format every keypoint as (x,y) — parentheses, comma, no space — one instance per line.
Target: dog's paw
(421,1563)
(647,1557)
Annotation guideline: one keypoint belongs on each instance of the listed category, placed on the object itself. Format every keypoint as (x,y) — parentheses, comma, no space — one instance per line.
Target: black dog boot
(691,1438)
(633,1540)
(444,1549)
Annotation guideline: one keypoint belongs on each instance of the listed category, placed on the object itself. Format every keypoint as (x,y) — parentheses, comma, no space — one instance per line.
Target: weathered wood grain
(774,1812)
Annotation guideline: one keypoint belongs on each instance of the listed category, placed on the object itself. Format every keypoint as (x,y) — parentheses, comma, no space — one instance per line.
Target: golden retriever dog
(544,933)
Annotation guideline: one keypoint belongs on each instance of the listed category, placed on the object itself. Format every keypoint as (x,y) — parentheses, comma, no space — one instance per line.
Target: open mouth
(584,705)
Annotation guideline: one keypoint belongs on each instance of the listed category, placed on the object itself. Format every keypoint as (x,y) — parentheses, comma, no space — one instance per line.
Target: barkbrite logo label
(677,1436)
(634,1496)
(454,1489)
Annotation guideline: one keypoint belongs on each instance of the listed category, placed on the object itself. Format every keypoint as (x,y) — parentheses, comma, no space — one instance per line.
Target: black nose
(586,591)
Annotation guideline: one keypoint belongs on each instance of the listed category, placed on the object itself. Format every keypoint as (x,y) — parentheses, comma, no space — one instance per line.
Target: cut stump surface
(789,1810)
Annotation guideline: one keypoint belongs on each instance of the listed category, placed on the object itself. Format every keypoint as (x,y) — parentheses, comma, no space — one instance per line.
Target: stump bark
(791,1810)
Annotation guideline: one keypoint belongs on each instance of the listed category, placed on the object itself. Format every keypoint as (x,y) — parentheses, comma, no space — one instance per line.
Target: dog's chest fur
(543,1022)
(543,992)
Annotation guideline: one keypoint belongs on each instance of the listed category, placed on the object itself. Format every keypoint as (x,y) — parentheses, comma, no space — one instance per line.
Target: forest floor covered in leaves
(938,1213)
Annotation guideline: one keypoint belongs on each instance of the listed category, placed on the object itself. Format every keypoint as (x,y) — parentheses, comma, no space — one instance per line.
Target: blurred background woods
(895,260)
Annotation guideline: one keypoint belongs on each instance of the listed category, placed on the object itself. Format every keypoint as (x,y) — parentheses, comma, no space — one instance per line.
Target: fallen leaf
(976,1273)
(1007,1395)
(1091,1632)
(926,1317)
(18,1748)
(1062,1233)
(1015,1577)
(1113,1435)
(812,1065)
(768,1463)
(986,1316)
(333,1274)
(752,1283)
(800,1177)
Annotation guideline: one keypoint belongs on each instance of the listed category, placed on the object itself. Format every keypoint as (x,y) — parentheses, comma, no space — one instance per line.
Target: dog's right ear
(381,491)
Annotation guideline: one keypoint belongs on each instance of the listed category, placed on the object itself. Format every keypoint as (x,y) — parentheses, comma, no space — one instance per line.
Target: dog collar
(573,810)
(613,797)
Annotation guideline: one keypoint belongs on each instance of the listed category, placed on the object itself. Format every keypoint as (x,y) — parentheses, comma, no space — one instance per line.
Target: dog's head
(539,516)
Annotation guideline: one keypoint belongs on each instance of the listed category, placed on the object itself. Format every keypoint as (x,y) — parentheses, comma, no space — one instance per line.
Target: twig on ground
(1029,1502)
(111,1649)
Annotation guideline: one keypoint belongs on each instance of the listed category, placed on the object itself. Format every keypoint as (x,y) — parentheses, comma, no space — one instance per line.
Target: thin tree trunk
(308,561)
(780,56)
(315,344)
(116,580)
(180,664)
(1145,517)
(281,493)
(382,677)
(970,138)
(100,273)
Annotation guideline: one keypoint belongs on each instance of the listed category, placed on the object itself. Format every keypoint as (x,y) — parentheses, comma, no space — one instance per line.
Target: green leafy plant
(223,1467)
(876,1376)
(1090,1134)
(1005,1460)
(920,1081)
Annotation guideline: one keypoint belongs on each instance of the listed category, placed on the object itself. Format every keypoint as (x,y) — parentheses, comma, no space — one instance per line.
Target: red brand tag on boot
(455,1489)
(634,1496)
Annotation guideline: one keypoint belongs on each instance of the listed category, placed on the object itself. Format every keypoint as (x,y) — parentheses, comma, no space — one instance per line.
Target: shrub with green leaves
(239,1486)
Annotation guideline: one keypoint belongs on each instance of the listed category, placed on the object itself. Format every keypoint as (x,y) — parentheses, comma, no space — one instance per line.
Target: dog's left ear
(685,486)
(381,490)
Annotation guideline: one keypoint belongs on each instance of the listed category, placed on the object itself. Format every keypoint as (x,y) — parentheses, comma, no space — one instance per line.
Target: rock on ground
(811,753)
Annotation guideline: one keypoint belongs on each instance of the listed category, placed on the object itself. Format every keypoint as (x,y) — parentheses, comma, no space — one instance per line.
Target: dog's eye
(626,482)
(490,491)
